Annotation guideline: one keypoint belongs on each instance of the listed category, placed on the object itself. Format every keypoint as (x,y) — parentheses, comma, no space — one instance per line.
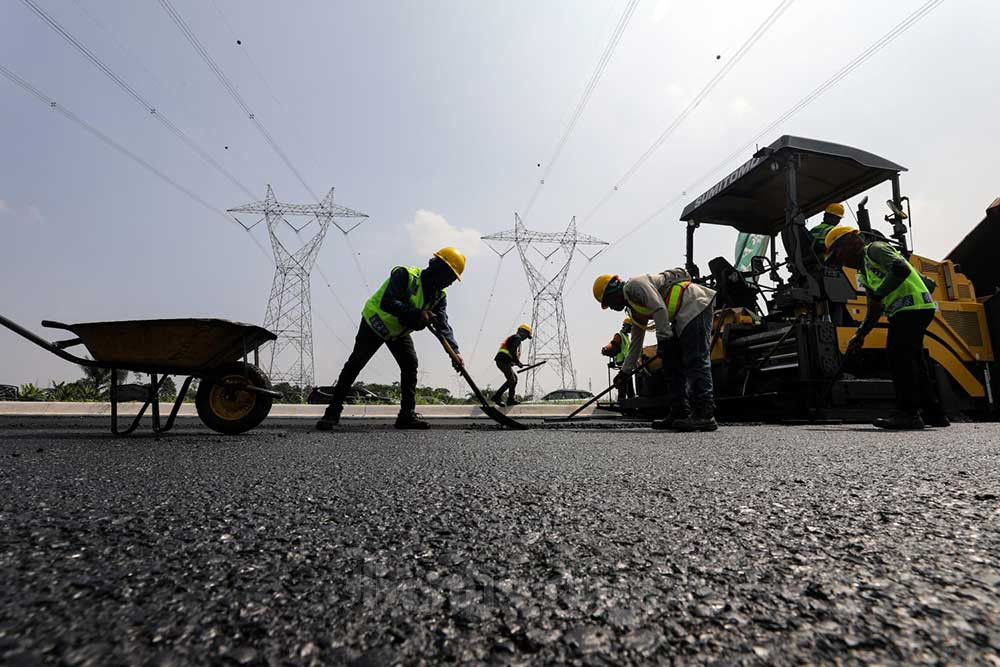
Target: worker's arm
(635,349)
(897,269)
(515,352)
(614,347)
(440,312)
(396,300)
(643,292)
(871,316)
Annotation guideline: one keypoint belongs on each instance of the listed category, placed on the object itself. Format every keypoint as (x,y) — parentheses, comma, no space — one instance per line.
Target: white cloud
(430,232)
(661,11)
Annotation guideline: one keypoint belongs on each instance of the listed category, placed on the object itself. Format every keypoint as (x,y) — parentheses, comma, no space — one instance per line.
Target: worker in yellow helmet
(508,356)
(409,300)
(831,218)
(617,349)
(894,287)
(682,312)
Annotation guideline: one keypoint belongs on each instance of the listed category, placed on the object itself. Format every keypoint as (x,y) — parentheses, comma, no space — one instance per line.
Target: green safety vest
(818,234)
(911,294)
(620,357)
(386,325)
(674,297)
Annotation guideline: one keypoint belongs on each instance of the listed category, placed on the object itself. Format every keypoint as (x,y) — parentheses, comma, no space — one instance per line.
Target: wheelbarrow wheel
(223,407)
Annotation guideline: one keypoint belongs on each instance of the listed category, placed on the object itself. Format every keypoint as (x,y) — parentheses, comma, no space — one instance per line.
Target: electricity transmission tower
(550,338)
(289,308)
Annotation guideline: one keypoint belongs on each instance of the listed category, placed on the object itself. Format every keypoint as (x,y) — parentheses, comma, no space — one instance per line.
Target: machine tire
(233,412)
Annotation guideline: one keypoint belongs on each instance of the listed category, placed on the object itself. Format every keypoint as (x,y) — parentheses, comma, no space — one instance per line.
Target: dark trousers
(911,377)
(506,367)
(691,384)
(366,344)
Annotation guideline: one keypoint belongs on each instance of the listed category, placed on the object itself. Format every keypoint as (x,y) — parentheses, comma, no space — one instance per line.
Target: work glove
(606,351)
(420,321)
(458,363)
(856,343)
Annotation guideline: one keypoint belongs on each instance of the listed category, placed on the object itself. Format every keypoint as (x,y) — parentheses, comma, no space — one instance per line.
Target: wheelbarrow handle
(54,348)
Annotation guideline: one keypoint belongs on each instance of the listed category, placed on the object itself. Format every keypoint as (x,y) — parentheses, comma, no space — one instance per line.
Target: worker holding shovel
(409,300)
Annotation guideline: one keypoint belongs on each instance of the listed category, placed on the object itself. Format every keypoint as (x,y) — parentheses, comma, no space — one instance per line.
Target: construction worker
(682,311)
(617,349)
(508,356)
(831,218)
(895,288)
(409,300)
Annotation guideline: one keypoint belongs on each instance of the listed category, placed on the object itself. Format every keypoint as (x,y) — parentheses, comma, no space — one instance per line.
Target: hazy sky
(431,117)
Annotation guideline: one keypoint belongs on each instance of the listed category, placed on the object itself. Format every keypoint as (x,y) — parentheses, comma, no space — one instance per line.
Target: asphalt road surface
(753,545)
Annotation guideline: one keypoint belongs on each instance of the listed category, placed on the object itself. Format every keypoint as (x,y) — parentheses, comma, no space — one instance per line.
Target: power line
(489,301)
(588,90)
(744,48)
(49,102)
(839,75)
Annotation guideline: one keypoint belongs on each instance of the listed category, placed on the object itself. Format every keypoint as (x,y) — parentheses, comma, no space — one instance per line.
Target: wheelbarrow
(233,396)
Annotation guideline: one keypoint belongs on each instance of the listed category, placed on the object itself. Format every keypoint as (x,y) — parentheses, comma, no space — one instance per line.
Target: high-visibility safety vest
(386,325)
(911,294)
(503,347)
(675,295)
(623,352)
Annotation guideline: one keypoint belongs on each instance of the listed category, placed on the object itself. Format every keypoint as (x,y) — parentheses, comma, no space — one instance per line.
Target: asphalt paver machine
(781,330)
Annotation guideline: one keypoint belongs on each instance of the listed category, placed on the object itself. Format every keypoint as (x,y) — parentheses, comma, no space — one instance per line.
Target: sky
(438,119)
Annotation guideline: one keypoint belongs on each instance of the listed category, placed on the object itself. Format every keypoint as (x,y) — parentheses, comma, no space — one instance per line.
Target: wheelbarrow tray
(168,346)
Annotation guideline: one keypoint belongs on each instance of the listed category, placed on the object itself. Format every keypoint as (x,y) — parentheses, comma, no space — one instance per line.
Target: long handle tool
(604,393)
(528,368)
(490,411)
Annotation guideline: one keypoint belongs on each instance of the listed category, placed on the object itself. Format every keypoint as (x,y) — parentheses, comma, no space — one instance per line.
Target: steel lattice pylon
(289,308)
(549,343)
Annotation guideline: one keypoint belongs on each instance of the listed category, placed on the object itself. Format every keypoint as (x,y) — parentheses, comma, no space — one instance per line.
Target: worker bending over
(617,349)
(831,218)
(508,356)
(895,288)
(682,312)
(409,300)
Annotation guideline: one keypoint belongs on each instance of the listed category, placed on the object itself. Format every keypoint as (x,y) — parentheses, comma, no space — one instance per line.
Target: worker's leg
(930,402)
(511,382)
(904,345)
(406,356)
(366,344)
(505,367)
(695,353)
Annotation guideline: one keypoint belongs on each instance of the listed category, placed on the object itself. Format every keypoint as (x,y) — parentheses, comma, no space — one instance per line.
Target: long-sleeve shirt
(650,291)
(396,301)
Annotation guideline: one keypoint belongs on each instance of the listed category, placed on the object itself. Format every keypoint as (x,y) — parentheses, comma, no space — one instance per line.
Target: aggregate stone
(589,546)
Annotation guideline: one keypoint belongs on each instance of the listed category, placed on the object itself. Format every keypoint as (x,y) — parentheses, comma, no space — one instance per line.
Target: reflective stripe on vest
(386,325)
(674,297)
(503,347)
(911,294)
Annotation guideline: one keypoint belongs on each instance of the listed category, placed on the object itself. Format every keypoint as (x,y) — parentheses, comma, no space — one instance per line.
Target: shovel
(490,411)
(604,393)
(528,368)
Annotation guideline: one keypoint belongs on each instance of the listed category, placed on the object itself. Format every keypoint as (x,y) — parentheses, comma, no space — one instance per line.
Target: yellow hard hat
(835,209)
(836,234)
(627,322)
(600,285)
(525,327)
(453,258)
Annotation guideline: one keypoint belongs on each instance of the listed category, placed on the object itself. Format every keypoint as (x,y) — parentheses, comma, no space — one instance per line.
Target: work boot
(411,420)
(703,419)
(937,420)
(498,399)
(513,401)
(900,421)
(667,423)
(330,418)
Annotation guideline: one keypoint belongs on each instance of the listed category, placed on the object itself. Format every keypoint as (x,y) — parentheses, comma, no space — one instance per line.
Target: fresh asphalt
(468,544)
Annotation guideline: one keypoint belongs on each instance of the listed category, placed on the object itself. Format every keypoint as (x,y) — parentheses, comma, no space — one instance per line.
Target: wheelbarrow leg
(114,409)
(177,406)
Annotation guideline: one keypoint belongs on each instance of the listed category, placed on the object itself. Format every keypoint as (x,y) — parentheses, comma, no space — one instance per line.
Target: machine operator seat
(732,289)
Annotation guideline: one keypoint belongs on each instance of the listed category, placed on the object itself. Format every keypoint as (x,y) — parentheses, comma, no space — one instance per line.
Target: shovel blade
(502,419)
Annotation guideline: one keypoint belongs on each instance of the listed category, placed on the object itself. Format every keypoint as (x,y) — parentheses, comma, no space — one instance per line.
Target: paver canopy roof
(752,198)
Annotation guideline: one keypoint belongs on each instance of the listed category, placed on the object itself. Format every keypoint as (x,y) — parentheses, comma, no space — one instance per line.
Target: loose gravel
(752,545)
